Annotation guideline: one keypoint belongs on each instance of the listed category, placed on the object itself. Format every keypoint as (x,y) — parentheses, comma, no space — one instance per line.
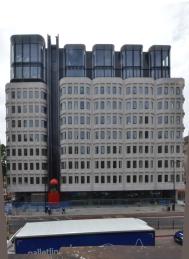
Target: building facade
(100,121)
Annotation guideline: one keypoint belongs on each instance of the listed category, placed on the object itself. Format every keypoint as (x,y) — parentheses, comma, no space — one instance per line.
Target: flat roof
(84,226)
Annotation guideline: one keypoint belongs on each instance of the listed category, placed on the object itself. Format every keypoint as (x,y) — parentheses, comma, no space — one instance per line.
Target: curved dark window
(27,58)
(74,61)
(103,61)
(131,61)
(159,57)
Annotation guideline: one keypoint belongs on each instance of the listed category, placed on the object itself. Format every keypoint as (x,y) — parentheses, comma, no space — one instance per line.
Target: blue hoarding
(51,244)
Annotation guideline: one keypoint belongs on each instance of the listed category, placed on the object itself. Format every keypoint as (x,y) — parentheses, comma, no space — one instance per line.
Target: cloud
(180,18)
(90,22)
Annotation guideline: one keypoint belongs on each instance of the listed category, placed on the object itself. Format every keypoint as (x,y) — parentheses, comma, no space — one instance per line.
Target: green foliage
(3,158)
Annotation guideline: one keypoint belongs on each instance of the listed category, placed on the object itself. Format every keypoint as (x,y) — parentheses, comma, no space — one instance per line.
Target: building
(103,122)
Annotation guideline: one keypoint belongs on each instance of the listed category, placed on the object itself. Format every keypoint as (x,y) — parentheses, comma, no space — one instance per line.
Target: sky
(89,22)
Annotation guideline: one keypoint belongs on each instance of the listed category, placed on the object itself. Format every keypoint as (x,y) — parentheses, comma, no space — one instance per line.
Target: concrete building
(103,122)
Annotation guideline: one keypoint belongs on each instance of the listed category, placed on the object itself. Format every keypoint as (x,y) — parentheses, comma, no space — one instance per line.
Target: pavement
(104,210)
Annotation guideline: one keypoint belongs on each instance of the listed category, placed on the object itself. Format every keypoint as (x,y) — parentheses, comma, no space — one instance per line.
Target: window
(70,180)
(128,134)
(159,149)
(37,166)
(146,164)
(13,123)
(166,105)
(140,163)
(88,164)
(159,163)
(82,120)
(146,135)
(166,119)
(177,149)
(166,163)
(177,90)
(13,152)
(114,164)
(166,90)
(128,90)
(13,109)
(159,90)
(114,90)
(69,90)
(108,164)
(114,179)
(19,180)
(82,165)
(102,89)
(159,105)
(134,164)
(134,105)
(140,178)
(134,179)
(25,166)
(134,149)
(134,90)
(31,166)
(146,179)
(13,166)
(81,90)
(19,152)
(14,180)
(166,134)
(128,179)
(13,95)
(134,134)
(178,120)
(159,178)
(44,166)
(128,164)
(159,134)
(134,119)
(146,105)
(165,178)
(160,120)
(76,165)
(30,94)
(102,164)
(82,105)
(102,149)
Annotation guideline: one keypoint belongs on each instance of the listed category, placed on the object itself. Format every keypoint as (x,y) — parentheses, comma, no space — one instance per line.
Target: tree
(3,158)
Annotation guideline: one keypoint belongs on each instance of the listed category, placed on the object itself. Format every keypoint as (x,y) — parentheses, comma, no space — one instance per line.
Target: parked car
(178,237)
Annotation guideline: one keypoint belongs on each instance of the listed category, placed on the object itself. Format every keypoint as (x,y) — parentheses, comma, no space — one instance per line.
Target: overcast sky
(90,22)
